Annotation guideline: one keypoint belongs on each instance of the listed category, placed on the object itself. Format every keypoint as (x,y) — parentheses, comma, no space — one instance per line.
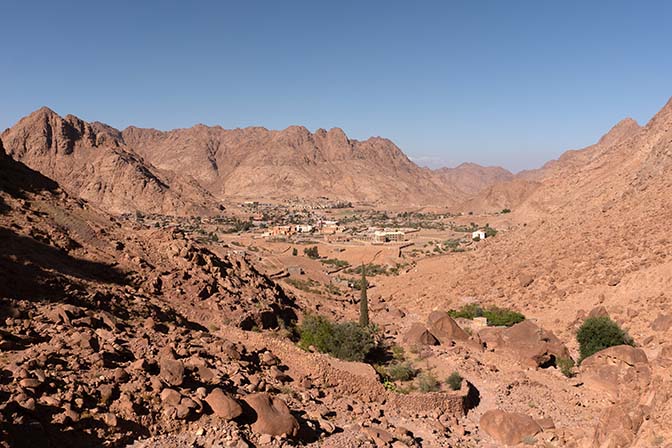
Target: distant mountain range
(194,170)
(187,171)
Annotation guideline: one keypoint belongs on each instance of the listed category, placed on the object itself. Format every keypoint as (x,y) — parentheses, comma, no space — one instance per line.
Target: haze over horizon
(500,84)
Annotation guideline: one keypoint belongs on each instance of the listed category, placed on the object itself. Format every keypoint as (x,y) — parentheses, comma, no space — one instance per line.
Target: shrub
(506,210)
(295,252)
(400,371)
(598,333)
(336,262)
(565,365)
(398,352)
(352,342)
(347,341)
(454,381)
(468,311)
(489,231)
(371,269)
(316,331)
(311,252)
(496,316)
(428,383)
(502,317)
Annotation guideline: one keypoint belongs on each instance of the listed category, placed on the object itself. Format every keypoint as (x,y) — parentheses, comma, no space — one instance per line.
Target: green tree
(363,301)
(312,252)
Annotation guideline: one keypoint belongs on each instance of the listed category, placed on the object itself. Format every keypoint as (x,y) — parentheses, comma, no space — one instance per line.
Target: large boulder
(508,428)
(530,344)
(620,372)
(273,415)
(665,356)
(445,328)
(172,371)
(223,405)
(662,323)
(418,334)
(618,426)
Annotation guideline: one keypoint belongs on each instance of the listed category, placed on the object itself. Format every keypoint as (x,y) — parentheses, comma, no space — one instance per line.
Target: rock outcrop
(529,344)
(508,428)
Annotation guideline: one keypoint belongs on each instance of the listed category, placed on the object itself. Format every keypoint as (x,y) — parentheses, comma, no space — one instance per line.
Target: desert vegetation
(598,333)
(348,340)
(495,316)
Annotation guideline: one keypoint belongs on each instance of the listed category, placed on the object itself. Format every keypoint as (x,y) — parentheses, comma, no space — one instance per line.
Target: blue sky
(494,82)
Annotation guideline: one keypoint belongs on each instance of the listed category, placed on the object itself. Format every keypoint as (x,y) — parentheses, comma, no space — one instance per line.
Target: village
(322,249)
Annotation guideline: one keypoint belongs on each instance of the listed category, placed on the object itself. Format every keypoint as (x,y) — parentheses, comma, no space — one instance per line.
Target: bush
(489,231)
(428,383)
(468,311)
(598,333)
(347,341)
(454,381)
(335,262)
(400,371)
(565,365)
(295,252)
(311,252)
(496,316)
(502,317)
(506,210)
(371,269)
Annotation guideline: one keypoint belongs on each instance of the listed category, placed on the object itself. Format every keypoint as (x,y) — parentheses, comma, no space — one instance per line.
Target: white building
(480,234)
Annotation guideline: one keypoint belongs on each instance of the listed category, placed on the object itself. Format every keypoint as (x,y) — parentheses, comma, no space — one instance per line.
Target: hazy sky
(494,82)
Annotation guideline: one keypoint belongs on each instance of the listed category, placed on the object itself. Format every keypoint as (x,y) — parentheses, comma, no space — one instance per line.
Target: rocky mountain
(190,171)
(560,181)
(575,159)
(591,240)
(91,161)
(472,178)
(259,163)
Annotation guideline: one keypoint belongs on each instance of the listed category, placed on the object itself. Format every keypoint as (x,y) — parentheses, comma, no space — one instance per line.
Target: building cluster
(323,227)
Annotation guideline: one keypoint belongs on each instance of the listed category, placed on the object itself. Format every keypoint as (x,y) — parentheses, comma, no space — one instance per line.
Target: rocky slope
(110,334)
(559,181)
(189,171)
(91,161)
(262,164)
(594,235)
(472,178)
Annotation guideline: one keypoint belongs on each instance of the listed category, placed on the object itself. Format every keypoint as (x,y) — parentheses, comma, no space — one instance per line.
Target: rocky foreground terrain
(110,335)
(113,334)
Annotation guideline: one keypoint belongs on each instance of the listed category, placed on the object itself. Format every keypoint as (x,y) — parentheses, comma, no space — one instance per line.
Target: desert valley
(206,287)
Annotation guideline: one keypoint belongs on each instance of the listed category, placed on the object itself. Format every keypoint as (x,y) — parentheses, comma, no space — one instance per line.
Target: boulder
(172,371)
(418,334)
(598,311)
(525,280)
(621,371)
(379,436)
(273,415)
(665,356)
(223,405)
(170,397)
(662,323)
(444,328)
(618,426)
(531,345)
(508,428)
